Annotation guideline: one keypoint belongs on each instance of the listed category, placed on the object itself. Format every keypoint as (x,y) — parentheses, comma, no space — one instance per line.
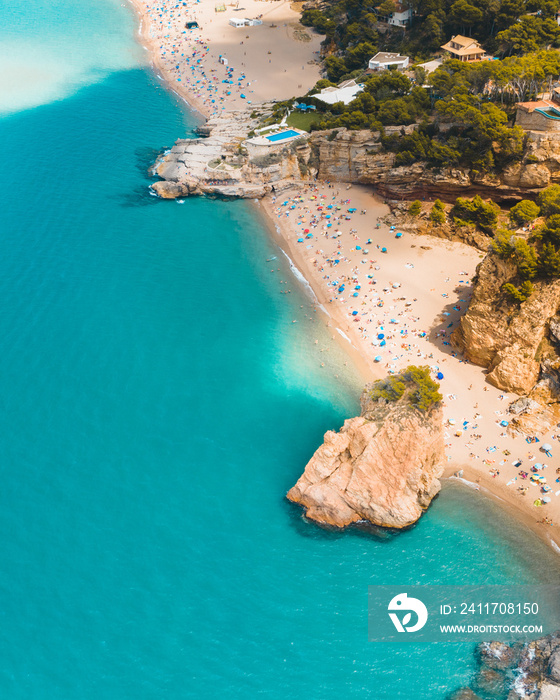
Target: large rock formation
(382,467)
(528,671)
(226,162)
(512,342)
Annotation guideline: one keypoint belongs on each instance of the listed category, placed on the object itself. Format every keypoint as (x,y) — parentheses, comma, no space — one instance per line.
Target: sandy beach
(399,307)
(391,300)
(275,60)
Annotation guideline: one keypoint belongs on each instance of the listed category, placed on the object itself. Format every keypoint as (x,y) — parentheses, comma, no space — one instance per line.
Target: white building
(244,22)
(401,17)
(345,92)
(383,61)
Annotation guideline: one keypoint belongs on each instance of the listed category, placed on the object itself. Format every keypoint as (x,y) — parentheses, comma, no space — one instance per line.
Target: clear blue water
(157,403)
(283,135)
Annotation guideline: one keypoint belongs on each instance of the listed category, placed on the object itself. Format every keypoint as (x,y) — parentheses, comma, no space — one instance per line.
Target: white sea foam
(300,277)
(343,334)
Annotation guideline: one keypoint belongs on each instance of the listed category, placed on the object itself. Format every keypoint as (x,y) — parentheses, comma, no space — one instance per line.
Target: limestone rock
(170,190)
(225,159)
(549,691)
(554,666)
(529,671)
(381,467)
(506,339)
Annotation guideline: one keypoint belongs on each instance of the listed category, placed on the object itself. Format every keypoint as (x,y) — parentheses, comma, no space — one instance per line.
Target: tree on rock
(549,200)
(415,208)
(437,214)
(524,212)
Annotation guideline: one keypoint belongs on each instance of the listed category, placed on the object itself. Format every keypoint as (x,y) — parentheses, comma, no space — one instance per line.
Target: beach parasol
(383,250)
(440,375)
(378,358)
(354,313)
(381,336)
(545,499)
(546,447)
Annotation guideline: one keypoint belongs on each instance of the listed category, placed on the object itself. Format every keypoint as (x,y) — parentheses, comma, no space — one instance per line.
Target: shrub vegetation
(415,382)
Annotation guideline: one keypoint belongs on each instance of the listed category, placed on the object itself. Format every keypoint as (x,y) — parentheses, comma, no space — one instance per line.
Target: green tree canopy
(524,212)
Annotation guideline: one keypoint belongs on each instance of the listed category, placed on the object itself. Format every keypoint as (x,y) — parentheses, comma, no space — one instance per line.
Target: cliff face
(382,467)
(515,344)
(226,163)
(357,156)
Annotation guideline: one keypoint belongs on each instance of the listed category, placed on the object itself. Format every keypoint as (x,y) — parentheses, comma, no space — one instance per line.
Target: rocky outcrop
(227,162)
(381,467)
(529,671)
(512,342)
(421,224)
(223,162)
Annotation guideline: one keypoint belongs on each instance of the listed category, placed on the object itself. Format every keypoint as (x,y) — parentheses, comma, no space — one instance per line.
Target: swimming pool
(283,135)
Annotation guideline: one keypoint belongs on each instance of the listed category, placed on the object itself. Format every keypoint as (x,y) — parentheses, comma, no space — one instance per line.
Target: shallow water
(158,401)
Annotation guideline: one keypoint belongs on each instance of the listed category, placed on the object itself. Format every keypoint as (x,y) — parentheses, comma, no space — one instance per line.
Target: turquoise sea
(157,403)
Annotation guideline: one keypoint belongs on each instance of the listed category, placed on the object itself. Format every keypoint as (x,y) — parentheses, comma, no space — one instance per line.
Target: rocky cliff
(521,671)
(226,162)
(381,467)
(518,345)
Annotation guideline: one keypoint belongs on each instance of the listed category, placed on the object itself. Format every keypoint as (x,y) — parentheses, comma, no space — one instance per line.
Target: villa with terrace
(463,48)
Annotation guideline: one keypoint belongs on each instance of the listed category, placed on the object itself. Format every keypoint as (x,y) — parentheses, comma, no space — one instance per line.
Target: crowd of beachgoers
(219,67)
(392,298)
(396,297)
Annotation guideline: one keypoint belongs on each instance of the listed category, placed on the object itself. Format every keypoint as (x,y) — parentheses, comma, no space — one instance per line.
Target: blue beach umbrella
(440,375)
(378,358)
(354,313)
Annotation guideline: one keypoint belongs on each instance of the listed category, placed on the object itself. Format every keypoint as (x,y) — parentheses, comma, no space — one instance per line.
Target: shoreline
(364,367)
(359,348)
(517,505)
(158,66)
